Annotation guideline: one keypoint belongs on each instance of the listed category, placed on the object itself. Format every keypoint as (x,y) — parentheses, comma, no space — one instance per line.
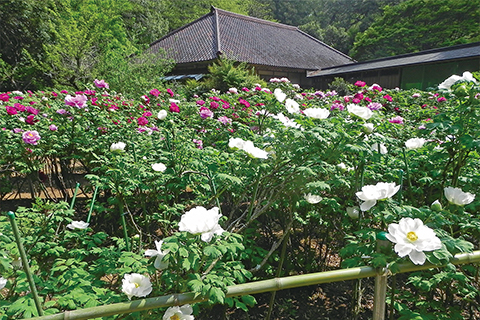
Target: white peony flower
(236,143)
(279,94)
(159,264)
(159,167)
(312,198)
(415,143)
(292,106)
(162,114)
(383,149)
(368,127)
(353,212)
(362,112)
(248,147)
(201,221)
(179,313)
(3,282)
(137,285)
(317,113)
(372,193)
(449,82)
(118,147)
(287,122)
(457,196)
(436,206)
(412,237)
(77,225)
(253,151)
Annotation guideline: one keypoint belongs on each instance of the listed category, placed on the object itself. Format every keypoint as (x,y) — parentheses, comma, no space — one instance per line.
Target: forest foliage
(58,43)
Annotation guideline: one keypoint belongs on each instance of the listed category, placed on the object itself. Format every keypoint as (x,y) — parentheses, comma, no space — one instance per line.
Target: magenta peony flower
(19,107)
(142,121)
(214,105)
(79,101)
(360,84)
(11,110)
(200,102)
(30,119)
(441,99)
(174,107)
(389,99)
(4,97)
(100,84)
(31,137)
(170,92)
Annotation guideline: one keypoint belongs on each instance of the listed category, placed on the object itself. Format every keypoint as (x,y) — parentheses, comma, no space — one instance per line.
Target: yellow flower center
(175,317)
(136,285)
(412,236)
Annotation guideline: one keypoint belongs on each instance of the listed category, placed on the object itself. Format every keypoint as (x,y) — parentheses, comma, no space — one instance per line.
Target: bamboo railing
(251,288)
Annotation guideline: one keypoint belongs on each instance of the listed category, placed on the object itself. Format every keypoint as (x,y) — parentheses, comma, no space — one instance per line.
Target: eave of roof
(457,52)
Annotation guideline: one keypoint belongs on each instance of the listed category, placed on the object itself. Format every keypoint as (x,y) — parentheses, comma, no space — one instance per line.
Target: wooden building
(419,70)
(273,49)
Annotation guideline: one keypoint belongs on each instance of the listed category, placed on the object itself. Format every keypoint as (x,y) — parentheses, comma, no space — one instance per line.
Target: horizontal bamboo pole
(248,288)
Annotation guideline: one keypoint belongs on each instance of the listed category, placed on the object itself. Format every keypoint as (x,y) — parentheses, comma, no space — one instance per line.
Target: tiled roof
(247,39)
(457,52)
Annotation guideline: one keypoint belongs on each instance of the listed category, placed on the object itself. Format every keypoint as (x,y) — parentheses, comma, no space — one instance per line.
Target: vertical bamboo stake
(26,268)
(91,205)
(380,291)
(74,195)
(124,224)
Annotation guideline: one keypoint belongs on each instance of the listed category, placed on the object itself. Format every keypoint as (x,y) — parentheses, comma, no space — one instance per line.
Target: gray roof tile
(247,39)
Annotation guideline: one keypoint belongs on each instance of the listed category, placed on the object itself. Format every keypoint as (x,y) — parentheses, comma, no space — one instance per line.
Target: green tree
(23,29)
(417,25)
(180,12)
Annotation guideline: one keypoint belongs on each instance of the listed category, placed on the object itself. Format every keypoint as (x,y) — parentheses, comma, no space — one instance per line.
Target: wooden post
(380,292)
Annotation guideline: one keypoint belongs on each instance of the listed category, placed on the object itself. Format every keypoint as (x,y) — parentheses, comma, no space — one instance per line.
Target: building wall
(420,76)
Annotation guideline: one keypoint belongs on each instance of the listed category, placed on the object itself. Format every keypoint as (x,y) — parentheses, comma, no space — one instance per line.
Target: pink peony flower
(79,101)
(170,92)
(100,84)
(155,92)
(199,143)
(396,119)
(64,91)
(374,106)
(31,110)
(389,99)
(214,105)
(52,127)
(441,99)
(225,120)
(205,113)
(338,106)
(147,114)
(31,137)
(200,102)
